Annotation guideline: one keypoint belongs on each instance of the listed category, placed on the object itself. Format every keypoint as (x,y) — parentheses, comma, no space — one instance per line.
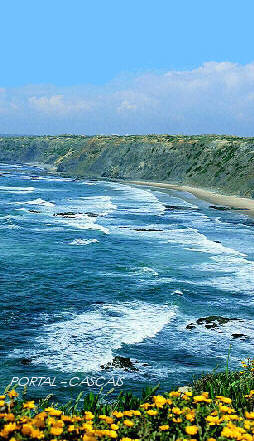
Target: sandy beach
(244,205)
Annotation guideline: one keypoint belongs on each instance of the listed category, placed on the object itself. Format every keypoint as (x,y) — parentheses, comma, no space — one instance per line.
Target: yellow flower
(56,431)
(190,416)
(114,427)
(2,403)
(29,405)
(152,412)
(226,409)
(176,411)
(102,417)
(191,430)
(89,415)
(224,399)
(201,399)
(159,400)
(109,420)
(2,397)
(27,429)
(128,423)
(9,417)
(213,420)
(89,438)
(164,427)
(129,439)
(117,414)
(175,394)
(249,415)
(146,405)
(71,428)
(37,434)
(13,393)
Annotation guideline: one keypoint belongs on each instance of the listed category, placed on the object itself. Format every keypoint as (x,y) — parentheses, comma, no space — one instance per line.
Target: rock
(218,207)
(146,229)
(34,211)
(242,336)
(176,207)
(88,213)
(217,241)
(120,363)
(26,361)
(211,322)
(68,214)
(214,320)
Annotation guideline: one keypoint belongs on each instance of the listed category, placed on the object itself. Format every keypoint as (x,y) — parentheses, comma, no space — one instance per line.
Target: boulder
(119,362)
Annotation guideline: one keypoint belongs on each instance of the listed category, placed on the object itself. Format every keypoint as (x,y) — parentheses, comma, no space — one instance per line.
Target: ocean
(93,269)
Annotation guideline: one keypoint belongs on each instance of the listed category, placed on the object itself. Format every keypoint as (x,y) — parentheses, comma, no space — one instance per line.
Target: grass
(216,406)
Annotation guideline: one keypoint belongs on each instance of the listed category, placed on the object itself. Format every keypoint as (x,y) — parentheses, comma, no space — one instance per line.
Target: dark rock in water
(120,363)
(239,209)
(26,361)
(146,229)
(88,213)
(177,207)
(211,322)
(218,207)
(67,214)
(241,336)
(34,211)
(99,302)
(214,320)
(217,241)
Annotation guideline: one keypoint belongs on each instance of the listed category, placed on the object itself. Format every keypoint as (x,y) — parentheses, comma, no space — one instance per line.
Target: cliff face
(225,163)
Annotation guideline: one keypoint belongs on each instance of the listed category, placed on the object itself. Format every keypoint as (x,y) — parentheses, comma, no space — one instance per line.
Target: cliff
(224,163)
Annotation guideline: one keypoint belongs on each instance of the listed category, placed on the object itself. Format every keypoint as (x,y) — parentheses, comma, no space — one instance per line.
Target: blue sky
(71,65)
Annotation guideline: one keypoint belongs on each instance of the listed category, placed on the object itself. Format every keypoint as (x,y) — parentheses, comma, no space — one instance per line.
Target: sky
(127,66)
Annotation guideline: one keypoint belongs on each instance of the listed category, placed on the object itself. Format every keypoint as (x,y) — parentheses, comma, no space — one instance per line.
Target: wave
(147,202)
(83,241)
(38,201)
(16,190)
(82,222)
(100,205)
(90,339)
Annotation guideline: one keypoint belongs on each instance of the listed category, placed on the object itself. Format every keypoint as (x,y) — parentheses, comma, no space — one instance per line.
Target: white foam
(198,242)
(82,241)
(82,222)
(147,201)
(38,201)
(17,190)
(101,205)
(89,340)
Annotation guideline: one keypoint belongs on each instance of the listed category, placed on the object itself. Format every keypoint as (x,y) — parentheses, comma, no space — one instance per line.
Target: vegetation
(223,161)
(216,407)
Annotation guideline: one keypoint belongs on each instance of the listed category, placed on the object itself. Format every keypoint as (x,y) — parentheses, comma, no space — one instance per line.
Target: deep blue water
(75,292)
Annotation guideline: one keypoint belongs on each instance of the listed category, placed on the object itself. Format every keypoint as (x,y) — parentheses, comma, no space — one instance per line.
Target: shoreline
(237,203)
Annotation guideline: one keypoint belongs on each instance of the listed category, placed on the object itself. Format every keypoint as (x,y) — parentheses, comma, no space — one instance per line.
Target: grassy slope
(219,162)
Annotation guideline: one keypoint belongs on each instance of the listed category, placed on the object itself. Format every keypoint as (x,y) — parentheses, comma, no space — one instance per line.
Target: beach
(233,202)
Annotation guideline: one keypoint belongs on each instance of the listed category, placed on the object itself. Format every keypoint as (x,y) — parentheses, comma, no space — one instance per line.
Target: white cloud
(213,98)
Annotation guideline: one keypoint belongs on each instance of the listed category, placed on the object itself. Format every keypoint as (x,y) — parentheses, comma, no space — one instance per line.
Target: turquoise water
(77,291)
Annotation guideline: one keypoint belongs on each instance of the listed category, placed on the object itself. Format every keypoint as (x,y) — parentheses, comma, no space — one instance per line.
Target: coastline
(243,205)
(236,203)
